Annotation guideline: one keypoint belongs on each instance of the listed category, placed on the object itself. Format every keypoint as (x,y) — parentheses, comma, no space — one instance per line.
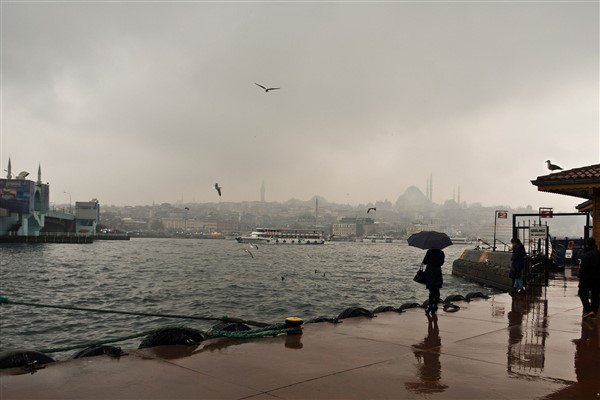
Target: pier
(47,238)
(60,237)
(529,346)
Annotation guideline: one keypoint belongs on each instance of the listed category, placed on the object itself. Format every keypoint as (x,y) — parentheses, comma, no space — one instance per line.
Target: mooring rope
(5,300)
(271,330)
(263,329)
(95,343)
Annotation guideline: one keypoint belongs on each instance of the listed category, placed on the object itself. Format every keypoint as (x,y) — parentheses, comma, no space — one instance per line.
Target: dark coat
(434,259)
(517,264)
(589,273)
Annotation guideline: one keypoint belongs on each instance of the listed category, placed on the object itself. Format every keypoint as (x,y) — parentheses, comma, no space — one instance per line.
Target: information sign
(538,232)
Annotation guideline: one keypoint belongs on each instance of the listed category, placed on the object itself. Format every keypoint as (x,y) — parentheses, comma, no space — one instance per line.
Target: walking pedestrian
(434,259)
(517,266)
(589,279)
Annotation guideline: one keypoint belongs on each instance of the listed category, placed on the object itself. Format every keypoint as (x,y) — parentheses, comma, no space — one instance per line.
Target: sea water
(198,278)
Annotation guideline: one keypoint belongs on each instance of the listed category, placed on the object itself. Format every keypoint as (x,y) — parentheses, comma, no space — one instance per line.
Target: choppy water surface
(207,278)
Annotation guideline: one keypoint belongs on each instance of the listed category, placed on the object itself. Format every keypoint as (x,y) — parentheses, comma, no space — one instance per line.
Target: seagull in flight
(248,251)
(371,209)
(552,167)
(218,188)
(266,88)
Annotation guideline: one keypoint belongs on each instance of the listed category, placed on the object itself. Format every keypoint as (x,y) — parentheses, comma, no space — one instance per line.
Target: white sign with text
(538,232)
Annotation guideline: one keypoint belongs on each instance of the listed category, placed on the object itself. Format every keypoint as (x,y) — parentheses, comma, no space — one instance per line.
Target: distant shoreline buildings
(25,211)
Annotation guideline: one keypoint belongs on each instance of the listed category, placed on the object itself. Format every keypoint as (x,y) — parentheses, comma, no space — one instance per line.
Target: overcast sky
(137,103)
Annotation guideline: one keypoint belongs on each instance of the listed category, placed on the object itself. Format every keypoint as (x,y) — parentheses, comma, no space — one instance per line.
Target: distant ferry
(377,239)
(460,240)
(283,236)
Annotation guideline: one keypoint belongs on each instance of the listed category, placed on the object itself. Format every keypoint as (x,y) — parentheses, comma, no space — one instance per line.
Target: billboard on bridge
(19,196)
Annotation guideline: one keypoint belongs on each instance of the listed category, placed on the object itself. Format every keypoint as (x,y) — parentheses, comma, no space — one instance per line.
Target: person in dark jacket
(434,259)
(517,266)
(589,279)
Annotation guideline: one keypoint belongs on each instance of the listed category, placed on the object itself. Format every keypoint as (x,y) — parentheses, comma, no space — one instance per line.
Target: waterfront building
(344,229)
(23,204)
(25,209)
(582,182)
(351,227)
(87,215)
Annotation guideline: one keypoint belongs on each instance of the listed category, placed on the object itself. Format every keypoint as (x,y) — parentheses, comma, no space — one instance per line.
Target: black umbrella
(429,240)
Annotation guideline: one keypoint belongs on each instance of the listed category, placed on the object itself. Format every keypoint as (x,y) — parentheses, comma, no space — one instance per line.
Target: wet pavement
(529,346)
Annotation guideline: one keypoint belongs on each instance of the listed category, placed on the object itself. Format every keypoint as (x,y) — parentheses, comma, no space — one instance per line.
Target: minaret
(430,194)
(262,192)
(39,181)
(458,200)
(9,173)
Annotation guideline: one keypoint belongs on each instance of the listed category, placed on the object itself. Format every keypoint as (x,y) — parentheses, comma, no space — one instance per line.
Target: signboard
(538,232)
(568,253)
(502,214)
(16,195)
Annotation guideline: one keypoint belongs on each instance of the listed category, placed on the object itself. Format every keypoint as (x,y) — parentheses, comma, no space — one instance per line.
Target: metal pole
(504,215)
(70,209)
(495,219)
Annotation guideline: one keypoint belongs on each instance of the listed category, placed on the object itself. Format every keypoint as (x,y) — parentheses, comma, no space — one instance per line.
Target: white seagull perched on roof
(552,167)
(266,88)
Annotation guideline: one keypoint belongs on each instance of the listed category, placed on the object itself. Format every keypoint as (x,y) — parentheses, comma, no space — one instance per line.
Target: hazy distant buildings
(87,215)
(353,227)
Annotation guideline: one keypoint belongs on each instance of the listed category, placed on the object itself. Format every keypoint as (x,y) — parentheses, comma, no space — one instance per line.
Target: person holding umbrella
(433,242)
(434,259)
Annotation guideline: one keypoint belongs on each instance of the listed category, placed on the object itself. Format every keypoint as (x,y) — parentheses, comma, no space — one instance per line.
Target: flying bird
(248,251)
(266,88)
(371,209)
(253,246)
(552,167)
(218,188)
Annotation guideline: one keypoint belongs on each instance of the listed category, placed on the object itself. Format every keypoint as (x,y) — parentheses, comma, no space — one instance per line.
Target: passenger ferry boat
(377,239)
(283,236)
(460,240)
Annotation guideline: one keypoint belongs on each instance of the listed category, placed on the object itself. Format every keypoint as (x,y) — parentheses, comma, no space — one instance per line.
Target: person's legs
(434,295)
(518,284)
(585,301)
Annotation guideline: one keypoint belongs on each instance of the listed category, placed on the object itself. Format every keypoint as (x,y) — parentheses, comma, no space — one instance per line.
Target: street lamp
(70,209)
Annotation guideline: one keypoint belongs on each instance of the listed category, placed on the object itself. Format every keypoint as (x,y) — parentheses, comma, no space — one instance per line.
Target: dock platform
(48,238)
(530,346)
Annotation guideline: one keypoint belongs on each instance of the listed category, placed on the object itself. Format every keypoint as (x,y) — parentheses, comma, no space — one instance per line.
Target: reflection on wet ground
(428,356)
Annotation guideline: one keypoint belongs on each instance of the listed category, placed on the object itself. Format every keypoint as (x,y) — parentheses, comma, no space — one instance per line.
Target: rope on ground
(271,330)
(5,300)
(95,343)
